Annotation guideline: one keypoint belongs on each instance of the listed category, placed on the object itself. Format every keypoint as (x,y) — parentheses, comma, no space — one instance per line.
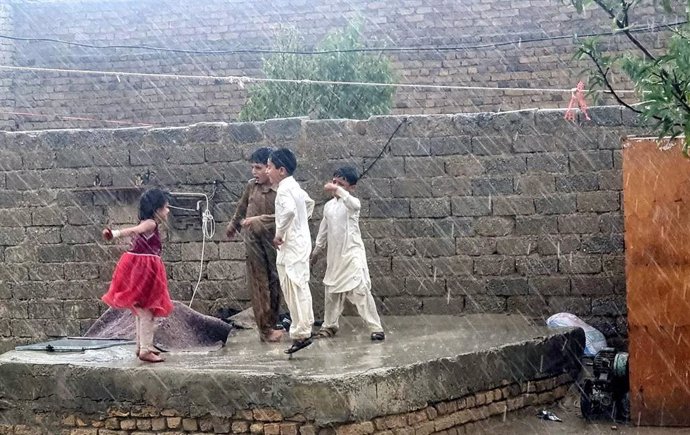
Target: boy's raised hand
(330,187)
(277,242)
(230,232)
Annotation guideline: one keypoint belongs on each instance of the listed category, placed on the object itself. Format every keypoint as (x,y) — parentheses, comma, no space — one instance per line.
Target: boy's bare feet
(273,337)
(151,357)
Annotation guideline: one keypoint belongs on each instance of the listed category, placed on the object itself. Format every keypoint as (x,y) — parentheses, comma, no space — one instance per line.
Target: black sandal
(299,345)
(378,336)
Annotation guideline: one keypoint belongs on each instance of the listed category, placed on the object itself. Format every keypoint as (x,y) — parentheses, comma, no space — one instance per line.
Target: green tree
(284,99)
(661,80)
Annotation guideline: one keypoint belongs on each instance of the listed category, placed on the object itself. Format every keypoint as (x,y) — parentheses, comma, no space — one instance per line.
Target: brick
(583,182)
(485,304)
(533,225)
(516,245)
(603,244)
(551,285)
(475,245)
(492,186)
(425,286)
(534,184)
(453,145)
(411,188)
(464,166)
(267,414)
(494,265)
(450,186)
(410,147)
(428,208)
(494,226)
(501,165)
(471,206)
(536,265)
(424,167)
(389,208)
(465,286)
(598,201)
(579,264)
(453,265)
(174,422)
(512,205)
(580,305)
(189,424)
(363,428)
(436,247)
(507,286)
(221,424)
(612,305)
(401,305)
(555,204)
(532,306)
(547,162)
(590,161)
(491,145)
(592,285)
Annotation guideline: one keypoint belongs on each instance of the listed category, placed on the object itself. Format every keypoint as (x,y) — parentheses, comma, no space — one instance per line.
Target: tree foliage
(284,99)
(661,81)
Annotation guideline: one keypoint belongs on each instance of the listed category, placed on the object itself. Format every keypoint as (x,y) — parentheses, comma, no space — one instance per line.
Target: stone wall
(464,415)
(517,212)
(61,100)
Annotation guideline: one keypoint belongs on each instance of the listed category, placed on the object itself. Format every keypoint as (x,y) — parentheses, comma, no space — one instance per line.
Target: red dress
(139,279)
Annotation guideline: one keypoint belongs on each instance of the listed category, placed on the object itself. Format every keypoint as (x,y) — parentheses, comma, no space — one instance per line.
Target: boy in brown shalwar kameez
(254,216)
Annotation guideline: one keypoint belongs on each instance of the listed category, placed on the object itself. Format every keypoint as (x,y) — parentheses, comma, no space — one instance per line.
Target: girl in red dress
(139,281)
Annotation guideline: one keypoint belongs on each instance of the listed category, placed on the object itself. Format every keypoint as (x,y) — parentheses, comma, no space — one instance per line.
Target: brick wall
(216,24)
(517,212)
(467,414)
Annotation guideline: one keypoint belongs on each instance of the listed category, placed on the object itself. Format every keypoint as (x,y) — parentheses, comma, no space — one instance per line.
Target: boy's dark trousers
(264,283)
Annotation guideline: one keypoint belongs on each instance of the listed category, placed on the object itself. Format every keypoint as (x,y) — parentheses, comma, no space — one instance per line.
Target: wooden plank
(656,189)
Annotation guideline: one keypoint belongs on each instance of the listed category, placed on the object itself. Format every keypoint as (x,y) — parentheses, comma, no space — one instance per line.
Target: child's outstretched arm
(145,226)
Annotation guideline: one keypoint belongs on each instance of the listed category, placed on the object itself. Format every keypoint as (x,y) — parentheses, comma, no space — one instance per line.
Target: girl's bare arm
(145,226)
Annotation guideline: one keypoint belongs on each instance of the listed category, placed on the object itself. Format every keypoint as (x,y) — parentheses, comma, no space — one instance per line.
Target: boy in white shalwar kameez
(293,242)
(347,273)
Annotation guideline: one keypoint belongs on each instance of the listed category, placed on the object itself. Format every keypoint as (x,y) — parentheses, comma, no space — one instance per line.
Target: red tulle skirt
(140,281)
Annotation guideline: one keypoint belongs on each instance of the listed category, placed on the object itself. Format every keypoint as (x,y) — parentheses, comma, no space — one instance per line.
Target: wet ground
(526,422)
(409,340)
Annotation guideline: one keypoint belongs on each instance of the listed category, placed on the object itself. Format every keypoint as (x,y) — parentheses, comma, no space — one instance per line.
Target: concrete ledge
(425,360)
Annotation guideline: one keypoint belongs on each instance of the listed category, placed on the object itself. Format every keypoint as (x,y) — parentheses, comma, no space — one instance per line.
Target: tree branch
(604,76)
(622,25)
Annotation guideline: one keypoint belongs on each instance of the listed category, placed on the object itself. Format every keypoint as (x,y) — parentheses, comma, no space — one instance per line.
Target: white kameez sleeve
(310,206)
(322,237)
(352,203)
(285,213)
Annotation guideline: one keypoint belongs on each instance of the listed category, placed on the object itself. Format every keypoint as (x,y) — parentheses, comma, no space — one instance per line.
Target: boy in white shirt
(347,273)
(293,242)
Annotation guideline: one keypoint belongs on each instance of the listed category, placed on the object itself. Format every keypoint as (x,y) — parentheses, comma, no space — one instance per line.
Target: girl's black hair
(349,173)
(150,202)
(261,155)
(284,158)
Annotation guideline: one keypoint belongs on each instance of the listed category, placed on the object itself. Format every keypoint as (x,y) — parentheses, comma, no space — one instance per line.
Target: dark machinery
(606,395)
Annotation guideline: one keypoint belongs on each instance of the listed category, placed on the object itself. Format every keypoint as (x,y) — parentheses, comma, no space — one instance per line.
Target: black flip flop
(299,345)
(378,336)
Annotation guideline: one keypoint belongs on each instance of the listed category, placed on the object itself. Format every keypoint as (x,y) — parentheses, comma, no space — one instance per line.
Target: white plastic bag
(594,339)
